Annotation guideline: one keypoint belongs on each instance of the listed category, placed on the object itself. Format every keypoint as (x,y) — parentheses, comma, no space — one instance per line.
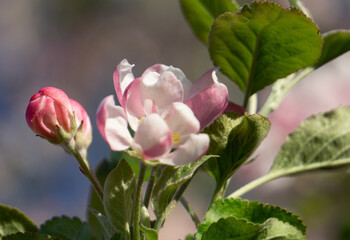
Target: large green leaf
(28,236)
(263,43)
(253,212)
(234,138)
(336,43)
(66,228)
(168,184)
(119,194)
(321,142)
(276,229)
(231,228)
(13,221)
(201,14)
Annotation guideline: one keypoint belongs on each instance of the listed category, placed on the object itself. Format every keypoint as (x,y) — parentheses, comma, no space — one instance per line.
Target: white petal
(181,121)
(122,77)
(154,137)
(161,90)
(113,125)
(194,148)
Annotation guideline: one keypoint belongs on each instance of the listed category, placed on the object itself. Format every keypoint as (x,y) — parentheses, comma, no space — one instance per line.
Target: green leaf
(13,221)
(253,212)
(107,228)
(299,4)
(119,192)
(263,43)
(167,185)
(201,14)
(276,229)
(231,228)
(28,236)
(102,170)
(336,43)
(322,142)
(234,138)
(151,234)
(189,237)
(66,228)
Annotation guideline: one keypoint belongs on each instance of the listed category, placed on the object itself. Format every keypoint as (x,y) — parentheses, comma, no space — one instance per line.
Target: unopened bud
(49,111)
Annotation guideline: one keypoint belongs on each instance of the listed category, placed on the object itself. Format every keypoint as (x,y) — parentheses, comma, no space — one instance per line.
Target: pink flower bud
(49,110)
(83,136)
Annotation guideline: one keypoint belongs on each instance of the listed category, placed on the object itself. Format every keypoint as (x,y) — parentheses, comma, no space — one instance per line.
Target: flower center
(176,137)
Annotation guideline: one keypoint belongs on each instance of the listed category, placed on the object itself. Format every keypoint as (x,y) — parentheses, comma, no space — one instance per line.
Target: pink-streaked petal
(186,84)
(122,77)
(160,90)
(159,68)
(206,80)
(233,107)
(62,106)
(108,110)
(41,117)
(194,148)
(208,104)
(154,137)
(181,121)
(117,134)
(133,104)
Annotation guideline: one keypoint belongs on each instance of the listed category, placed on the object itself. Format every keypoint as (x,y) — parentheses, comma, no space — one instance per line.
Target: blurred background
(75,46)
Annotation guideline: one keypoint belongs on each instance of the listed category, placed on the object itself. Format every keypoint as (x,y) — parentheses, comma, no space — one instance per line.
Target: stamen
(176,137)
(141,119)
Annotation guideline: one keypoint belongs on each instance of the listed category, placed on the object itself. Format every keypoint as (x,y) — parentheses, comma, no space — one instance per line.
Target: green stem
(84,166)
(137,205)
(150,186)
(280,90)
(257,182)
(190,211)
(219,192)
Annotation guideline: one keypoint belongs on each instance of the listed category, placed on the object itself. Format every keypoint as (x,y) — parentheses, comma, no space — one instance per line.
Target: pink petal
(153,136)
(182,121)
(233,107)
(206,80)
(112,124)
(62,106)
(133,104)
(194,148)
(41,117)
(160,90)
(208,104)
(122,77)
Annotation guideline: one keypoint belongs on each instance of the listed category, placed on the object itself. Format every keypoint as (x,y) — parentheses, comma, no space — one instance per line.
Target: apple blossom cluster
(163,109)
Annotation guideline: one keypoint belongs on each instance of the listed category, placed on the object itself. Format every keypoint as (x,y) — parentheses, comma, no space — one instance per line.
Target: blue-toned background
(75,46)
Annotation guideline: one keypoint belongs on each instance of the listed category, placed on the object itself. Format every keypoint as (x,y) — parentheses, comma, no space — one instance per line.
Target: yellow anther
(176,137)
(141,119)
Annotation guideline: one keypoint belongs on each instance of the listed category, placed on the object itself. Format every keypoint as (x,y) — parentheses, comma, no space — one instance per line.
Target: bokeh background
(75,46)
